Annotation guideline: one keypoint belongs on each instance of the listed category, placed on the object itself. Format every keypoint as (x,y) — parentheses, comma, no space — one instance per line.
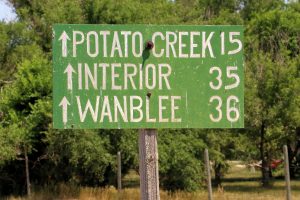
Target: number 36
(229,109)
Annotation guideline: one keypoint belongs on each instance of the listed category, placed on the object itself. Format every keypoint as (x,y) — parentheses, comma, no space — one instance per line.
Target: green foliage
(25,106)
(16,45)
(10,140)
(130,11)
(272,93)
(40,15)
(32,84)
(213,8)
(272,80)
(276,30)
(124,141)
(256,8)
(79,156)
(180,156)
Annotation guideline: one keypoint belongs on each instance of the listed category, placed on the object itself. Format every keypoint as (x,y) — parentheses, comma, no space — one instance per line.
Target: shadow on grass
(254,185)
(257,188)
(232,180)
(131,183)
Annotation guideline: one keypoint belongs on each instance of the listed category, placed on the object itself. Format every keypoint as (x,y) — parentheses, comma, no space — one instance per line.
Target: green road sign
(148,76)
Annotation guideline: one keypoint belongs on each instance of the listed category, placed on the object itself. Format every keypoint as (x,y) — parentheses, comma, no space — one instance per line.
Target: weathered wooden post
(287,173)
(208,176)
(148,157)
(119,172)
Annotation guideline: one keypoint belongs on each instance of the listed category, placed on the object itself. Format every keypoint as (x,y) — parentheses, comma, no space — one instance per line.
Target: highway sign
(147,76)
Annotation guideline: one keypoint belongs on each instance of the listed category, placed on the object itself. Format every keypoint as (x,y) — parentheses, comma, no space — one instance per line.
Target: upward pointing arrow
(64,104)
(64,37)
(69,70)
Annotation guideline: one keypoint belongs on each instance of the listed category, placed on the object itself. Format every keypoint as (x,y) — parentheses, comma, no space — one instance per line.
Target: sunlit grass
(239,193)
(233,188)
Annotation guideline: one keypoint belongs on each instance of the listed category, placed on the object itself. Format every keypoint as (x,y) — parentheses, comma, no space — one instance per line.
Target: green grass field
(239,184)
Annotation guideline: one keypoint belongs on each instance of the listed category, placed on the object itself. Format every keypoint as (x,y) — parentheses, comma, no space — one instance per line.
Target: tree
(16,44)
(180,159)
(80,156)
(272,78)
(40,15)
(18,103)
(224,145)
(88,157)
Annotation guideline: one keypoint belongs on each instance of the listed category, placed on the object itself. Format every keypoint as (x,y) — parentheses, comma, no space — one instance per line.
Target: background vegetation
(88,157)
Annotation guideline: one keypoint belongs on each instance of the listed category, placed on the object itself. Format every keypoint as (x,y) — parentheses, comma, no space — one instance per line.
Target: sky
(6,12)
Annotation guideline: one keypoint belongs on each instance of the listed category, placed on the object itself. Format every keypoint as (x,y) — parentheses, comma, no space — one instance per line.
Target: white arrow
(64,37)
(64,104)
(69,70)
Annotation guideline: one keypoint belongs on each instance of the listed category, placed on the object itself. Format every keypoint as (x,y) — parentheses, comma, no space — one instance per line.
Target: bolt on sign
(147,76)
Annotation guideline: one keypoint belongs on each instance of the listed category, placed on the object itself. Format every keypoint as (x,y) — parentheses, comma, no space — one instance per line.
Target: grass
(233,192)
(238,170)
(239,184)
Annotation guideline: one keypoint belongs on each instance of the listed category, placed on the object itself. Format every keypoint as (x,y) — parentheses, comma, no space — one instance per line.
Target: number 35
(230,72)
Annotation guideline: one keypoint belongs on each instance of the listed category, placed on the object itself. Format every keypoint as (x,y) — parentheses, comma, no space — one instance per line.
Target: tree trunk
(290,158)
(218,174)
(292,153)
(265,169)
(265,173)
(27,173)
